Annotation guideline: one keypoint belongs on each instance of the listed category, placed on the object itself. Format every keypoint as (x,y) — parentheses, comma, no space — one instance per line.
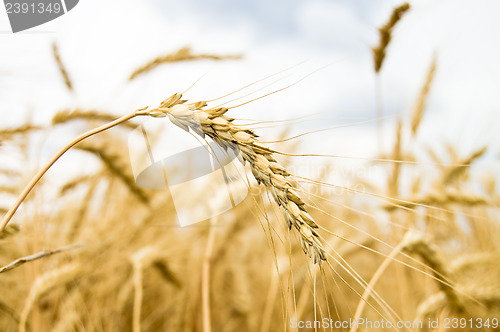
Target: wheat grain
(213,122)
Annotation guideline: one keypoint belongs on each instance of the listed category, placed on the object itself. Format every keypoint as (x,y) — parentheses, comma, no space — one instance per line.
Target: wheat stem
(205,278)
(49,164)
(270,304)
(42,254)
(138,295)
(379,113)
(376,276)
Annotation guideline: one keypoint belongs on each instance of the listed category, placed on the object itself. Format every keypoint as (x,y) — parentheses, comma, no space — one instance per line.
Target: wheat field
(400,235)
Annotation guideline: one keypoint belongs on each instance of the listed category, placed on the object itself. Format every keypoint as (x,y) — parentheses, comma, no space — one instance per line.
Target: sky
(102,42)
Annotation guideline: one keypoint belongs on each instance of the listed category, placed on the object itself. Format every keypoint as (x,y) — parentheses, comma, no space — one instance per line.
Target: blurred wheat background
(386,116)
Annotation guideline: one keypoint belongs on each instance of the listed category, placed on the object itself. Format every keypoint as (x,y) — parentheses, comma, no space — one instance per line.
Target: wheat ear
(89,115)
(418,111)
(8,133)
(429,253)
(62,68)
(213,122)
(183,54)
(116,166)
(385,33)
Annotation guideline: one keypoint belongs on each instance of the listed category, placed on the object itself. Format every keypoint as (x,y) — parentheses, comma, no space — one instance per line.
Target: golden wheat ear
(183,54)
(385,33)
(61,67)
(267,171)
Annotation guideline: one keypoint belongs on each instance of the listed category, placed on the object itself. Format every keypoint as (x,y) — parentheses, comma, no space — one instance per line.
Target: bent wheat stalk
(213,122)
(34,257)
(58,155)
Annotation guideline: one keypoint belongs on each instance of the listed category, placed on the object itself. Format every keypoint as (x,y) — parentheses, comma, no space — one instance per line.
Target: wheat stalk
(140,260)
(393,185)
(44,284)
(70,314)
(8,216)
(205,277)
(41,254)
(376,277)
(213,122)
